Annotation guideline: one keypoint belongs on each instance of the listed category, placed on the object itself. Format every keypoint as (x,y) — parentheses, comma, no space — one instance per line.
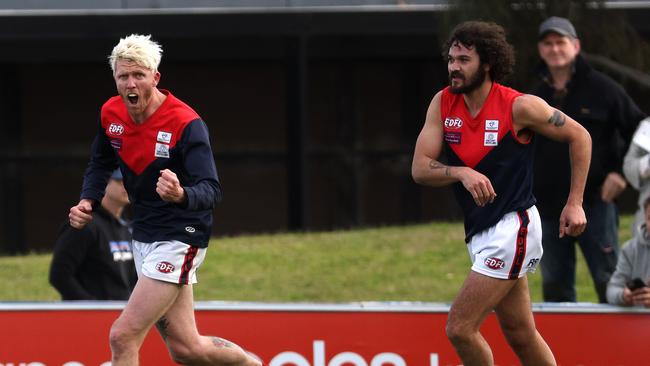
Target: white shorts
(510,248)
(169,261)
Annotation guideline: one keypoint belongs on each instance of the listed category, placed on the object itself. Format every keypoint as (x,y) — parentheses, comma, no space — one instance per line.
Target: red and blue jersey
(488,144)
(174,137)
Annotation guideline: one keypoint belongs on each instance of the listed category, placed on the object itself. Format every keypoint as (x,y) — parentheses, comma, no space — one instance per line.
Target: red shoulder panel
(472,138)
(138,145)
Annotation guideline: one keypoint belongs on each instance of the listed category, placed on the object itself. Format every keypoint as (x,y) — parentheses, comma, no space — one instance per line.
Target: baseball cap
(117,174)
(557,25)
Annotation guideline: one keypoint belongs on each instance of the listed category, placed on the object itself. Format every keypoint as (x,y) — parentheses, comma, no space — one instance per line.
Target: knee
(457,333)
(120,338)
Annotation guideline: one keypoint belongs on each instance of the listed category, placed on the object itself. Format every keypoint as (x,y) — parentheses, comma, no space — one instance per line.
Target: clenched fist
(81,214)
(169,187)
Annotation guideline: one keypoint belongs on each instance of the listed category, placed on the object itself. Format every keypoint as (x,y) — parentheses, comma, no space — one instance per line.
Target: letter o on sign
(390,358)
(347,357)
(289,357)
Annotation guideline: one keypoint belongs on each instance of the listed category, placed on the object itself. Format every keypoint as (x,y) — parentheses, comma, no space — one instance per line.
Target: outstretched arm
(427,170)
(533,113)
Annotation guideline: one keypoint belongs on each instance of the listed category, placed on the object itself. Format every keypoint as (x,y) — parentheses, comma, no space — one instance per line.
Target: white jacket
(632,166)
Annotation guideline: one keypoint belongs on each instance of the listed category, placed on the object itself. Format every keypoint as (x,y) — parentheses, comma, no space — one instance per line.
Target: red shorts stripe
(520,250)
(187,265)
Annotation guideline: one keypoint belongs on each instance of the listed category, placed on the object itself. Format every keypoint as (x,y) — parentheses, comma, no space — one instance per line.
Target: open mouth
(132,98)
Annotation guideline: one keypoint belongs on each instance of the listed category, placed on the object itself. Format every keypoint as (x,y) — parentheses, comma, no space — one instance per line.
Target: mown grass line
(425,262)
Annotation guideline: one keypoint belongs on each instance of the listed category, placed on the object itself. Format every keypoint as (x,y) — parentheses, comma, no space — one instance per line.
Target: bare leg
(148,302)
(188,347)
(518,325)
(477,298)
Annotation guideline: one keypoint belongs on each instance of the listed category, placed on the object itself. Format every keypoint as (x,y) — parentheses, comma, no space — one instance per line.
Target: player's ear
(156,78)
(487,68)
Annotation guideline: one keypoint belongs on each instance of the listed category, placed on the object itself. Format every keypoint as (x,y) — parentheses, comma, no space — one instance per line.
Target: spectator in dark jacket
(95,262)
(609,114)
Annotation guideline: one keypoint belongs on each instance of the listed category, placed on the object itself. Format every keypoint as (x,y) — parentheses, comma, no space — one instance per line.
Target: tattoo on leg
(557,119)
(222,343)
(162,326)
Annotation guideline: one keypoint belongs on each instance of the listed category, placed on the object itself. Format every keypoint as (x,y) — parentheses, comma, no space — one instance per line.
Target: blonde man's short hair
(139,49)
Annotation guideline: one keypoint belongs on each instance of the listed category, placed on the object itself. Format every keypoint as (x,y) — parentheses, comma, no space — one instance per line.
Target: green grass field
(426,262)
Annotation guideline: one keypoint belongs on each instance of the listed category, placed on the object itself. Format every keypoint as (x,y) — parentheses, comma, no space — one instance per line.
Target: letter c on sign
(289,357)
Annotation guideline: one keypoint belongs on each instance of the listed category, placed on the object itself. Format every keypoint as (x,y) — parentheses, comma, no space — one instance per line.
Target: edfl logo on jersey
(115,129)
(453,123)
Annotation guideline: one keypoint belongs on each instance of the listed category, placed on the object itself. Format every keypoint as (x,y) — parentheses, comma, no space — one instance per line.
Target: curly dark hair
(490,42)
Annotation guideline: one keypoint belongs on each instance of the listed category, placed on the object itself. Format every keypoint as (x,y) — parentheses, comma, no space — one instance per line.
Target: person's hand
(640,296)
(572,220)
(169,187)
(627,296)
(81,214)
(613,186)
(478,185)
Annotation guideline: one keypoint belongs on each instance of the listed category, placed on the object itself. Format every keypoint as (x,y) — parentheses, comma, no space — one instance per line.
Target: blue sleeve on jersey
(102,163)
(206,191)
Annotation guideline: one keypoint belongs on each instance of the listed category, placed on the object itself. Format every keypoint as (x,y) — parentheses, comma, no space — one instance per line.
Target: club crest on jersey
(115,129)
(491,139)
(492,125)
(165,137)
(162,151)
(453,123)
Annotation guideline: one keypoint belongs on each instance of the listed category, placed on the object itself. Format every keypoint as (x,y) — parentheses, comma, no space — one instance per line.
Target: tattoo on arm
(222,343)
(557,119)
(436,165)
(162,326)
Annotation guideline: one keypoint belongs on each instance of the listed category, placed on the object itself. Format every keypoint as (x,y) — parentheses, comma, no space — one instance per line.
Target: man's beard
(469,85)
